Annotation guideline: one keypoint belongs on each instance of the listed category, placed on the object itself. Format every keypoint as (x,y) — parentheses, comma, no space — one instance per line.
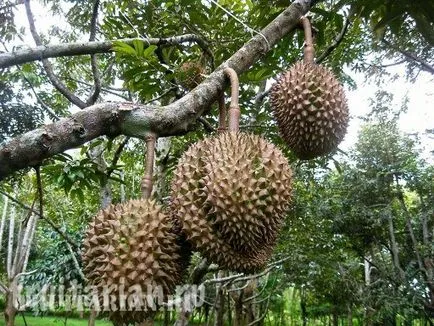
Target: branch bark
(136,120)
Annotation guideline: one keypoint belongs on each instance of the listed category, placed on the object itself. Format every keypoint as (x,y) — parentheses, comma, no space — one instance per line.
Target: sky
(419,117)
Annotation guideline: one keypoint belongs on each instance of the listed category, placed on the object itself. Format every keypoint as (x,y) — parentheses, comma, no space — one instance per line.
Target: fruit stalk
(309,51)
(234,108)
(147,185)
(222,114)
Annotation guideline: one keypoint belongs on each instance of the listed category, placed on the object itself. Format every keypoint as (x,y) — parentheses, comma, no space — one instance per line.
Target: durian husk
(311,109)
(132,245)
(231,193)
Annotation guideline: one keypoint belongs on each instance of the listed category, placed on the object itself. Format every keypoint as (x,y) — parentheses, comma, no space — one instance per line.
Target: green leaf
(149,51)
(123,48)
(139,46)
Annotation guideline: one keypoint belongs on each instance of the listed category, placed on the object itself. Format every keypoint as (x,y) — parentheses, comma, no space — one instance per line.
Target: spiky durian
(130,247)
(311,109)
(231,193)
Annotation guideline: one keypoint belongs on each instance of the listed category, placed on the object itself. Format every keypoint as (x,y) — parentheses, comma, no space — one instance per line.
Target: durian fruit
(310,106)
(231,193)
(132,245)
(191,74)
(311,109)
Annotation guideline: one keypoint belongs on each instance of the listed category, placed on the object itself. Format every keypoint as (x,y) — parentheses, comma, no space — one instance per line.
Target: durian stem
(222,114)
(309,51)
(147,185)
(234,108)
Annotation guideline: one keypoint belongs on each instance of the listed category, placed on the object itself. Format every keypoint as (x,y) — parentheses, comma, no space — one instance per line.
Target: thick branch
(113,119)
(81,48)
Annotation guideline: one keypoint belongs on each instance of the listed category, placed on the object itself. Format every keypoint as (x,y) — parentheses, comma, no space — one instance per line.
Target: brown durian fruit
(311,109)
(132,245)
(231,193)
(190,74)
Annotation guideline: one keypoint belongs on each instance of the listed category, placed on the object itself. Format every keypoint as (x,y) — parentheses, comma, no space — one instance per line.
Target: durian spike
(234,108)
(149,167)
(309,51)
(222,114)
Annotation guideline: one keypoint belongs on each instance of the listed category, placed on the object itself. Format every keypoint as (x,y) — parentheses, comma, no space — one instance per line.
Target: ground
(52,321)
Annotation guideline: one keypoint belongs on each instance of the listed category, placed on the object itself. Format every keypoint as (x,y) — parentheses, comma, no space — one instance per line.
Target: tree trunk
(350,316)
(394,247)
(219,307)
(303,307)
(335,319)
(92,317)
(10,311)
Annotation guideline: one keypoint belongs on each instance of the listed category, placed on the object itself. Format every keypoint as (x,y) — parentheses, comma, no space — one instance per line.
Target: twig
(9,5)
(94,60)
(38,98)
(254,296)
(75,261)
(400,62)
(174,88)
(40,191)
(105,90)
(206,124)
(240,277)
(117,156)
(338,40)
(55,228)
(260,318)
(256,126)
(3,288)
(173,80)
(409,55)
(57,83)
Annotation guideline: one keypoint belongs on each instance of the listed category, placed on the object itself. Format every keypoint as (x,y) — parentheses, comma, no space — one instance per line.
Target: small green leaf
(149,51)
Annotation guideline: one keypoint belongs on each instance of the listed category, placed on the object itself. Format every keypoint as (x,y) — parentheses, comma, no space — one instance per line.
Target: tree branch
(338,40)
(93,59)
(50,112)
(409,55)
(9,5)
(57,83)
(42,52)
(53,226)
(136,120)
(117,156)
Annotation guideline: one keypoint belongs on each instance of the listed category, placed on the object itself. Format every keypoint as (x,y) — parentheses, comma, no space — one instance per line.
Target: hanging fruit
(309,105)
(231,193)
(132,246)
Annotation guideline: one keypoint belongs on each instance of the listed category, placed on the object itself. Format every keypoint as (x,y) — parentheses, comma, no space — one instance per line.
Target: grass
(52,321)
